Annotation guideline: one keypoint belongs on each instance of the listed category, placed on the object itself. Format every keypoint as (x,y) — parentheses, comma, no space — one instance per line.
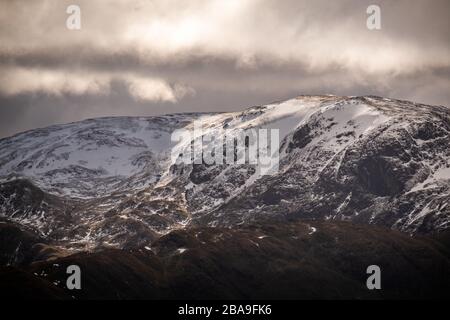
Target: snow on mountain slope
(358,159)
(71,159)
(112,182)
(92,157)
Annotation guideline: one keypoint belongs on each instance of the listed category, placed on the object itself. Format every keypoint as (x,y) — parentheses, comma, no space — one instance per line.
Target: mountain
(112,183)
(266,260)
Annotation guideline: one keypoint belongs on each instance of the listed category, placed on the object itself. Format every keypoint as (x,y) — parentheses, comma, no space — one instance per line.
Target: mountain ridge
(110,181)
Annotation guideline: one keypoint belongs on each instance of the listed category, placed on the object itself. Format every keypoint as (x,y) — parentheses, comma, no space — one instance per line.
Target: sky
(151,57)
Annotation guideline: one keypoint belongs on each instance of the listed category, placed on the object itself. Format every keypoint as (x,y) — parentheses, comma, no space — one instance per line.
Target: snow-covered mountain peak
(111,181)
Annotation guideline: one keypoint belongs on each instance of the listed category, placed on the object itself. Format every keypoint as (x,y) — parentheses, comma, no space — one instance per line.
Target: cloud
(156,90)
(319,34)
(19,80)
(149,57)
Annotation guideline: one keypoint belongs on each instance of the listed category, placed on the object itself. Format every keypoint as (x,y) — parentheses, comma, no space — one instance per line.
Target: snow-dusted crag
(111,181)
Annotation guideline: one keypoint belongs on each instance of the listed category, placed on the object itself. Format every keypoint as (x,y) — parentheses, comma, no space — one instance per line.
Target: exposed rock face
(110,182)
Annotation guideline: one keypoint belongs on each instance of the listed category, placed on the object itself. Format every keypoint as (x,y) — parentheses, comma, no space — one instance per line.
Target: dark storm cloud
(153,57)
